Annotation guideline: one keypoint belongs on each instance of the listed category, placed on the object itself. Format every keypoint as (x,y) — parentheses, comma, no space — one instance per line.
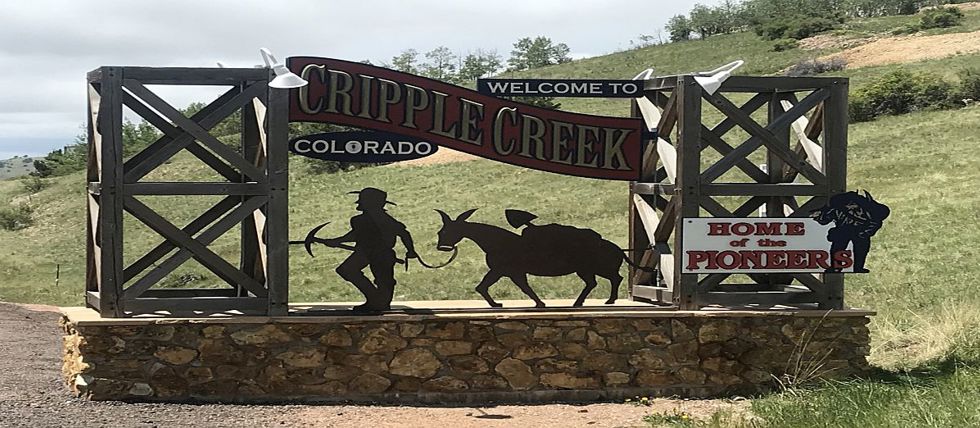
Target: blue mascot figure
(856,219)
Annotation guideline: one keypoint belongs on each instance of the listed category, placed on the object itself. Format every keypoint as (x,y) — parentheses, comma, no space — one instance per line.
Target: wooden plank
(749,108)
(752,189)
(714,141)
(207,117)
(194,75)
(166,246)
(761,135)
(652,189)
(110,199)
(713,207)
(666,225)
(650,260)
(811,281)
(92,300)
(668,156)
(277,211)
(749,206)
(205,238)
(94,161)
(190,306)
(195,129)
(171,293)
(774,163)
(761,298)
(814,153)
(157,154)
(711,281)
(835,162)
(189,188)
(689,181)
(655,294)
(173,132)
(252,254)
(668,118)
(814,203)
(648,217)
(636,236)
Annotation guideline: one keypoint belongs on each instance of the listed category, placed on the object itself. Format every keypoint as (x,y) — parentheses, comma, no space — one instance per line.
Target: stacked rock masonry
(456,360)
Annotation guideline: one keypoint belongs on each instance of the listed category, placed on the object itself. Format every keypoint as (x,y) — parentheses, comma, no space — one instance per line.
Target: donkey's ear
(445,217)
(465,215)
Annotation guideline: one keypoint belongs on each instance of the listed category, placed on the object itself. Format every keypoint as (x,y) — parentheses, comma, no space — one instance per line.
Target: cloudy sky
(47,46)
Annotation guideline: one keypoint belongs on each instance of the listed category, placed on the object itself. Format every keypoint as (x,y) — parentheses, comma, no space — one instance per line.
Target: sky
(47,46)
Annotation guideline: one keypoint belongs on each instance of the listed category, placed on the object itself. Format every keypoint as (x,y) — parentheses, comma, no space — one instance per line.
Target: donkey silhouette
(548,250)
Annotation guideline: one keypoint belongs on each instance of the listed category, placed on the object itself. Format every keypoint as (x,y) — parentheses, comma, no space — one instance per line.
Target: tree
(538,52)
(479,64)
(440,64)
(679,28)
(406,61)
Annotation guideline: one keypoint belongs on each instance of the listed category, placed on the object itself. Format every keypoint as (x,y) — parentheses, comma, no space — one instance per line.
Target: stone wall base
(458,358)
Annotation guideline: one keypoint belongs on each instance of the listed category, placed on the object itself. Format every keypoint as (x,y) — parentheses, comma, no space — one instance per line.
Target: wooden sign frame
(673,185)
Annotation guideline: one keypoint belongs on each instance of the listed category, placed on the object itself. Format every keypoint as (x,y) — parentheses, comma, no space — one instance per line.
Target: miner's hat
(372,196)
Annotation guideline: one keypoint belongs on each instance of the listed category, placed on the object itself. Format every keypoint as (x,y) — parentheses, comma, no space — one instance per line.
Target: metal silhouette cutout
(546,250)
(373,233)
(856,219)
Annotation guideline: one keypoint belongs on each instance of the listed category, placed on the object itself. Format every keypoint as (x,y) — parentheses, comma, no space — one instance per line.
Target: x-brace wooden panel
(254,193)
(190,129)
(196,248)
(764,136)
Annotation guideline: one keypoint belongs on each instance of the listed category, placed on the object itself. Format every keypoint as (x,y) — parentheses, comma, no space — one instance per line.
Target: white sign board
(761,245)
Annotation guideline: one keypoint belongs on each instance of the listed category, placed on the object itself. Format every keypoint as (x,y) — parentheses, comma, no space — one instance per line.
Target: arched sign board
(361,146)
(369,97)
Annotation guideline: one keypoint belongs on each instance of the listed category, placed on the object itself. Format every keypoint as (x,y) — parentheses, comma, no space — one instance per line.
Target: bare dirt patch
(32,394)
(903,49)
(444,155)
(831,41)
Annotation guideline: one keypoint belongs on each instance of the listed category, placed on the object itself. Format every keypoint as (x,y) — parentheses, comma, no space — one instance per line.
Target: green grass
(884,25)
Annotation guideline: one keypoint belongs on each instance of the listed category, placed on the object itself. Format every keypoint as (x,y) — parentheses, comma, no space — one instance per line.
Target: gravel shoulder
(32,395)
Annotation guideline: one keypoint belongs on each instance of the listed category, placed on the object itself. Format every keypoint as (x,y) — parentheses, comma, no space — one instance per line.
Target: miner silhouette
(373,233)
(856,219)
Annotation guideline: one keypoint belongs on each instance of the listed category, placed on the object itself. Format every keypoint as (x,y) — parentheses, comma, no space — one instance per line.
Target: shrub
(785,45)
(969,88)
(16,217)
(798,27)
(941,17)
(34,184)
(816,66)
(900,92)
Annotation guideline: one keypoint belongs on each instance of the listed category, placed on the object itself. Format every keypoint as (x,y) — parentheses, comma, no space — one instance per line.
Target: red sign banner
(369,97)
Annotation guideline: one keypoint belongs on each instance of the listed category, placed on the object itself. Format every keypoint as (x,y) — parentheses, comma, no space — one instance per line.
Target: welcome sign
(761,245)
(365,96)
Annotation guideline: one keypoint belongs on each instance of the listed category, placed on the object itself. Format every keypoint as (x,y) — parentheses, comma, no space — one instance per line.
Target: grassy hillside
(16,167)
(925,276)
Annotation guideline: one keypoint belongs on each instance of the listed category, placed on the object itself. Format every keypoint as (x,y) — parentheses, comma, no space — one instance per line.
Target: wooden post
(835,164)
(637,237)
(111,193)
(687,189)
(277,214)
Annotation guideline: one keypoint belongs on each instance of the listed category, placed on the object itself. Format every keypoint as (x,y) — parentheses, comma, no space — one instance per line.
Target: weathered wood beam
(195,129)
(762,136)
(173,132)
(162,249)
(205,238)
(188,188)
